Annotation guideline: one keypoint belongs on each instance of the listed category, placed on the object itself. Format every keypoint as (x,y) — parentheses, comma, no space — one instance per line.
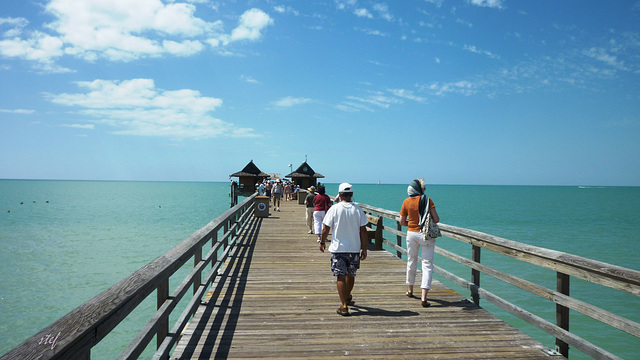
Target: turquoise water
(70,240)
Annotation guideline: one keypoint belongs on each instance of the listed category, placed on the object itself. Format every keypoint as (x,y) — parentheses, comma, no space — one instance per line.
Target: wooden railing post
(378,237)
(475,274)
(214,240)
(562,312)
(398,239)
(197,257)
(226,239)
(162,296)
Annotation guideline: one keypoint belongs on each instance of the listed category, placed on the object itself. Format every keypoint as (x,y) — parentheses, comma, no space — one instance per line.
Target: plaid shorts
(345,263)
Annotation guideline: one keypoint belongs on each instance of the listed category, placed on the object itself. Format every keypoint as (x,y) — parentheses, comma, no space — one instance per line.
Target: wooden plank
(277,299)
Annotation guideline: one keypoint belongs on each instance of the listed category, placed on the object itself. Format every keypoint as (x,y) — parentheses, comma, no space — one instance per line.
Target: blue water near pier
(64,242)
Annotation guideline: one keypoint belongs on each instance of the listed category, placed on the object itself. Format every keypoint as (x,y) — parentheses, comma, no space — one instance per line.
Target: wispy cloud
(372,101)
(249,79)
(473,49)
(17,111)
(462,87)
(80,126)
(372,32)
(290,101)
(383,10)
(286,10)
(487,3)
(605,57)
(362,12)
(407,94)
(138,107)
(117,31)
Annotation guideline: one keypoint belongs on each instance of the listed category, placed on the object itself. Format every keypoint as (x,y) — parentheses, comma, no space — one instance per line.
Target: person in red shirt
(321,203)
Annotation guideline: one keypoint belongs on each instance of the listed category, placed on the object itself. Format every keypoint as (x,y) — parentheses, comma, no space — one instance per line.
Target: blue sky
(456,91)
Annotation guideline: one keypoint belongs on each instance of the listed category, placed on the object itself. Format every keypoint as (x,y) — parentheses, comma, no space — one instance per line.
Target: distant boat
(378,182)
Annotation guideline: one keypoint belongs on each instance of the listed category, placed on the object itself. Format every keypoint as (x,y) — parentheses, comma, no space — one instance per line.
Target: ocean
(64,242)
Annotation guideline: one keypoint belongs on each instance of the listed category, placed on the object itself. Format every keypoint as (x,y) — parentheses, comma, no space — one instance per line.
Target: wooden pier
(276,298)
(262,289)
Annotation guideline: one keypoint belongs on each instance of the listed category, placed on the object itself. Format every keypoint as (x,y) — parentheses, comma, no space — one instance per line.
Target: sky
(495,92)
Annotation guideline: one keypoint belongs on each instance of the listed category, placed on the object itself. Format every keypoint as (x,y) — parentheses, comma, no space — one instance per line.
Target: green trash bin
(302,195)
(262,206)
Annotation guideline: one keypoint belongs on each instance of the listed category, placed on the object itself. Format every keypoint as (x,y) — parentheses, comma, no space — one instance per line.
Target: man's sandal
(344,311)
(409,294)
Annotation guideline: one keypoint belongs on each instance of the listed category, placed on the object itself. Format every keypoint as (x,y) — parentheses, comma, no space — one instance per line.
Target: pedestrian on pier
(277,194)
(347,223)
(321,203)
(412,209)
(308,202)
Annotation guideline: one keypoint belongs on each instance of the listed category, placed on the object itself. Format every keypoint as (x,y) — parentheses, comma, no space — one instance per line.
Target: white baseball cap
(345,188)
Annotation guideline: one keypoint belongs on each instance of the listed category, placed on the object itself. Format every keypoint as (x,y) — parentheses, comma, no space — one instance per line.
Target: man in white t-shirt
(347,223)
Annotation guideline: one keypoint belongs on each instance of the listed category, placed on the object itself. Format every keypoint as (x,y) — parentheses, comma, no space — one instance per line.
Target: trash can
(302,194)
(262,206)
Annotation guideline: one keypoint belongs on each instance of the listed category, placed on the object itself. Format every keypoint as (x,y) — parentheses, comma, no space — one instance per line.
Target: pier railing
(75,334)
(564,264)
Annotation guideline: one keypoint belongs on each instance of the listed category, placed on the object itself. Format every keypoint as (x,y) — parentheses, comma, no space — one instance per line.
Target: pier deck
(278,299)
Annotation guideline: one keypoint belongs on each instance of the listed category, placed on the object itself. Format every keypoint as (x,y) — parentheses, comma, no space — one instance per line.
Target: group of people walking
(346,221)
(277,190)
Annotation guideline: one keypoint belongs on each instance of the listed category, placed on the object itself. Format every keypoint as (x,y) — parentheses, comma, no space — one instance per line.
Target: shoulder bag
(429,229)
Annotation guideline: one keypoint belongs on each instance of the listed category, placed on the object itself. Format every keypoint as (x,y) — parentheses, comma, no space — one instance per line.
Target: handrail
(73,335)
(566,265)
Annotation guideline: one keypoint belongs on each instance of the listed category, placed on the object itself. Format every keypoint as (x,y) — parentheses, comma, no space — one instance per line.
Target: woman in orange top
(410,216)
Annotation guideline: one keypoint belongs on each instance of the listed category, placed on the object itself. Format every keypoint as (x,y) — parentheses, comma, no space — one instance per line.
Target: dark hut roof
(250,170)
(304,170)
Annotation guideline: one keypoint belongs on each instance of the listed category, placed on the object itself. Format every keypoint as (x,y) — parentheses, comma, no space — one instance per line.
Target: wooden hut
(247,179)
(305,176)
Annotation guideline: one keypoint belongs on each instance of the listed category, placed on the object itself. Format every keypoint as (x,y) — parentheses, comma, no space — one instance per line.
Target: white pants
(318,216)
(415,243)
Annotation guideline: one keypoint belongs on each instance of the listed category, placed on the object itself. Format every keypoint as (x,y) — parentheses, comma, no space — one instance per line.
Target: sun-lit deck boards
(283,300)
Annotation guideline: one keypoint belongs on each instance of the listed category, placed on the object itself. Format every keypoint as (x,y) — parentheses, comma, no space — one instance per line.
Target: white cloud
(437,3)
(343,4)
(372,32)
(40,48)
(249,79)
(602,55)
(362,12)
(250,25)
(17,111)
(290,101)
(15,26)
(137,107)
(383,10)
(286,10)
(407,94)
(80,126)
(462,87)
(474,49)
(487,3)
(122,30)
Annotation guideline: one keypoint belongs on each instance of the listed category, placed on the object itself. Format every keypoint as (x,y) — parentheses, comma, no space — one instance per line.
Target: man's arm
(323,236)
(363,242)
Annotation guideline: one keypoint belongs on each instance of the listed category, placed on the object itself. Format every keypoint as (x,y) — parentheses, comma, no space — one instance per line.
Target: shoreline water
(92,234)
